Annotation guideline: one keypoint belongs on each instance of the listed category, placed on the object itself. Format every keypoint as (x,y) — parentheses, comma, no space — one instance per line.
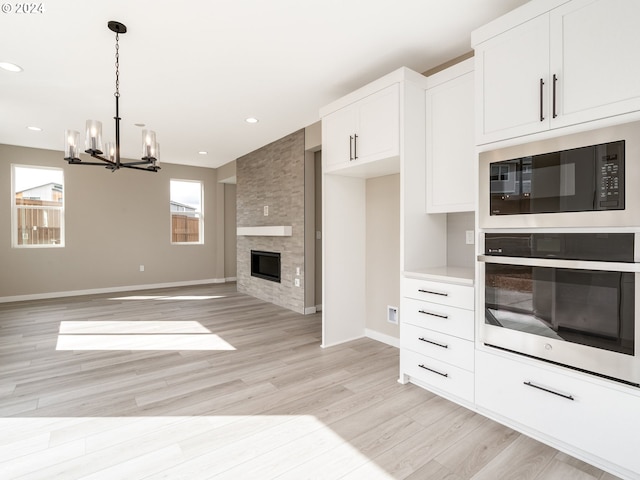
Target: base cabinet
(436,337)
(600,421)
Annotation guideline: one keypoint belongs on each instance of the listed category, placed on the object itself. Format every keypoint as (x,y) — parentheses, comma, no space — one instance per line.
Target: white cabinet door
(378,130)
(512,82)
(450,182)
(595,56)
(599,420)
(338,130)
(363,132)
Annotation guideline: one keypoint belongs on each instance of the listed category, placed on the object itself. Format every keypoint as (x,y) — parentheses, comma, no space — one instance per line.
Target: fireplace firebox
(265,265)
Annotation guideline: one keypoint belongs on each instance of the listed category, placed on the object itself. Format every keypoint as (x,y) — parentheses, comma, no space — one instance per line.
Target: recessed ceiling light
(10,67)
(251,120)
(202,152)
(34,129)
(139,124)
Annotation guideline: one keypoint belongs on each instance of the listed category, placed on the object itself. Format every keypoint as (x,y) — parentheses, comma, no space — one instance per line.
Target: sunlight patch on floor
(238,446)
(138,335)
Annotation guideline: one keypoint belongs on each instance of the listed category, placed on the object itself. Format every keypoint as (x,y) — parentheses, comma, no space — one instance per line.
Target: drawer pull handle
(422,339)
(442,294)
(434,371)
(424,312)
(568,397)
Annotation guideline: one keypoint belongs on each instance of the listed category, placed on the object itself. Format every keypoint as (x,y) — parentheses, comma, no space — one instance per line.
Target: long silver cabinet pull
(422,339)
(563,395)
(355,146)
(350,147)
(442,294)
(434,371)
(424,312)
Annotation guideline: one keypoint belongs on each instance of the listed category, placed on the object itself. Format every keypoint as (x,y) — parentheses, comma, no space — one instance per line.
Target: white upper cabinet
(512,72)
(363,132)
(575,63)
(450,137)
(595,56)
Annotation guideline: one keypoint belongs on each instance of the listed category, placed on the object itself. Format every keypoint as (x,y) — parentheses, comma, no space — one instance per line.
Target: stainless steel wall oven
(568,298)
(559,263)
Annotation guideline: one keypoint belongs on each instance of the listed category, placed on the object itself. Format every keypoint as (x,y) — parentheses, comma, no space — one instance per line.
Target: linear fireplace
(265,265)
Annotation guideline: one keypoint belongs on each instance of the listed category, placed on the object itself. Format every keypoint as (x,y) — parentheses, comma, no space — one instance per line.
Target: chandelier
(110,156)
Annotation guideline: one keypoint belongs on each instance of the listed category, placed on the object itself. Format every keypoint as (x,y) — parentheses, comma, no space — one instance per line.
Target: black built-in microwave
(584,179)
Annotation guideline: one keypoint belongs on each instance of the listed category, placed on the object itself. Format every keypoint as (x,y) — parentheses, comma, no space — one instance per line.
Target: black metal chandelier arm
(154,168)
(77,161)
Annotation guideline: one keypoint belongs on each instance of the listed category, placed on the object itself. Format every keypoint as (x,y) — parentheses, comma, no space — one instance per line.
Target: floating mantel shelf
(266,231)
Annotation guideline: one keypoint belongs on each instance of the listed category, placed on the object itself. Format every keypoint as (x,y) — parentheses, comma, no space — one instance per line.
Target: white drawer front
(437,374)
(599,420)
(441,318)
(446,348)
(439,292)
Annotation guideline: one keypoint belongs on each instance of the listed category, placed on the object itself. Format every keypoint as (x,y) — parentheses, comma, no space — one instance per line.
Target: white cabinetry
(436,337)
(451,180)
(597,420)
(537,70)
(365,131)
(388,118)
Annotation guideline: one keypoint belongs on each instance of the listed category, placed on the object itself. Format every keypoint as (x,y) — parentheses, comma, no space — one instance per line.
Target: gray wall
(273,176)
(114,223)
(382,252)
(230,251)
(459,254)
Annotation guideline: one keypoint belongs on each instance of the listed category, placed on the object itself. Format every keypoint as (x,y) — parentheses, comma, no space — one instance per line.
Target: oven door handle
(559,263)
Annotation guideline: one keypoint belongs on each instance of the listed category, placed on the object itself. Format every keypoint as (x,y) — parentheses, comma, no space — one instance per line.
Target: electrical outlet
(266,210)
(318,235)
(142,268)
(297,270)
(470,237)
(392,314)
(296,282)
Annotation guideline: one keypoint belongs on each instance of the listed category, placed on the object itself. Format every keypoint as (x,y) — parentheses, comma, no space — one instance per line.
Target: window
(185,205)
(37,213)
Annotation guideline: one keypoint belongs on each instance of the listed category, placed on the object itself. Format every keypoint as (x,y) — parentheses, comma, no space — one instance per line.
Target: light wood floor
(278,406)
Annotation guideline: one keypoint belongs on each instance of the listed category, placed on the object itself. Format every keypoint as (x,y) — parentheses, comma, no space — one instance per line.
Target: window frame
(14,209)
(199,213)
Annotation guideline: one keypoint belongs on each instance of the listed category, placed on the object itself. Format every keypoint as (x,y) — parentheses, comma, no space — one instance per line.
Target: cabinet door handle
(541,95)
(442,345)
(434,371)
(432,292)
(555,81)
(355,147)
(439,315)
(563,395)
(350,147)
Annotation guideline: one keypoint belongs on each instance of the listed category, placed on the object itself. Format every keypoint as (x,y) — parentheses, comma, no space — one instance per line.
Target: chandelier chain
(117,94)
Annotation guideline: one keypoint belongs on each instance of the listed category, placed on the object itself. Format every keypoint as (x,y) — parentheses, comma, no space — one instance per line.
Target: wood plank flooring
(277,406)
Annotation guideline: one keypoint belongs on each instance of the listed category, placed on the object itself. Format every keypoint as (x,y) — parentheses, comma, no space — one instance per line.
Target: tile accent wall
(273,176)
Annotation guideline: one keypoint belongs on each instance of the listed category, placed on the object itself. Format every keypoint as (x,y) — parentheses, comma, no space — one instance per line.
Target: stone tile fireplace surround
(272,177)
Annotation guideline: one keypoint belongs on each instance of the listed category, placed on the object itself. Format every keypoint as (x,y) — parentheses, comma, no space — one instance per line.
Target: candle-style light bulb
(93,141)
(148,144)
(71,140)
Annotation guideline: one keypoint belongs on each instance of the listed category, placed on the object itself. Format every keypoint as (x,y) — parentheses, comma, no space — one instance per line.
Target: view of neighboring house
(39,214)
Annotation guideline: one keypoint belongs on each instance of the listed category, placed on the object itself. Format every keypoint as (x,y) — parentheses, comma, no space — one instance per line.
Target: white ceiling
(193,71)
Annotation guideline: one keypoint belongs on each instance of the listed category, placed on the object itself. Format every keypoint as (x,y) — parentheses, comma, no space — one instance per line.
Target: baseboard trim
(230,279)
(93,291)
(382,337)
(329,345)
(310,310)
(319,308)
